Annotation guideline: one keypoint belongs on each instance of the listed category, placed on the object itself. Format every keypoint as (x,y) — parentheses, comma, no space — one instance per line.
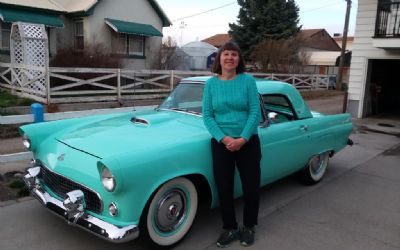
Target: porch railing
(388,19)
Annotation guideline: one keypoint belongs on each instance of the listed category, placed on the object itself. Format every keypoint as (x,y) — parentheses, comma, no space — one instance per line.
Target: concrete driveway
(357,206)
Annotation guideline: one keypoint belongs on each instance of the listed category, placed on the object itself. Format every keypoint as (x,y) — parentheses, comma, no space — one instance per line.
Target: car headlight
(26,142)
(108,180)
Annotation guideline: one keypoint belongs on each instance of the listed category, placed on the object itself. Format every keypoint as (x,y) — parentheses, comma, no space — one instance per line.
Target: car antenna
(134,90)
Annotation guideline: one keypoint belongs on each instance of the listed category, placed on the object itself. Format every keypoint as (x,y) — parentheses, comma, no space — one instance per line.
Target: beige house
(319,46)
(131,29)
(374,86)
(321,49)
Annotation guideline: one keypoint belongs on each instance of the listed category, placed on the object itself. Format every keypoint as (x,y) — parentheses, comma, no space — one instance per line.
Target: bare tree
(169,59)
(281,56)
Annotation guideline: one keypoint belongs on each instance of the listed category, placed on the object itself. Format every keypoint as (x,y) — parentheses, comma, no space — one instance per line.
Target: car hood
(132,132)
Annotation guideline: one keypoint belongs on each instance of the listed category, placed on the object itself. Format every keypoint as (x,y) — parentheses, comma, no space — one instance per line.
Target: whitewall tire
(171,212)
(315,169)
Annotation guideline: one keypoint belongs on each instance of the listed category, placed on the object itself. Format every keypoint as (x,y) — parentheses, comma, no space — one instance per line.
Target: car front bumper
(72,209)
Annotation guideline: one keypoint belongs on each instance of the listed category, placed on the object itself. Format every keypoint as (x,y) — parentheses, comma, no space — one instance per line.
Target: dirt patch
(9,131)
(12,186)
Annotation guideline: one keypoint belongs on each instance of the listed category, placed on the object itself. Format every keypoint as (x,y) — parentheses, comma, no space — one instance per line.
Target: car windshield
(186,97)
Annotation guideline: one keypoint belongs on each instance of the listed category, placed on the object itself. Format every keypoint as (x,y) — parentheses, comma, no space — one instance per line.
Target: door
(284,142)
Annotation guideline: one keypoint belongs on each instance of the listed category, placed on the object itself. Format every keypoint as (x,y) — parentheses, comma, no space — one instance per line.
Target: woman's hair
(216,67)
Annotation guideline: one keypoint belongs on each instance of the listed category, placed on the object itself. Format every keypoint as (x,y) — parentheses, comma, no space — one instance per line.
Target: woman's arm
(208,115)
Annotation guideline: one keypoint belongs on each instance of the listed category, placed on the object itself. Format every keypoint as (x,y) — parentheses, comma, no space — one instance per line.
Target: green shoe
(228,237)
(247,235)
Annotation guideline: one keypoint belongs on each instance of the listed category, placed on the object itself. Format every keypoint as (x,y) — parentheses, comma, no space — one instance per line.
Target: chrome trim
(141,121)
(193,81)
(116,209)
(171,211)
(83,220)
(182,112)
(75,205)
(95,192)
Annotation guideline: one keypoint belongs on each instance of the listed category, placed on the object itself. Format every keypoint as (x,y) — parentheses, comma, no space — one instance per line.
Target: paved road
(357,206)
(327,105)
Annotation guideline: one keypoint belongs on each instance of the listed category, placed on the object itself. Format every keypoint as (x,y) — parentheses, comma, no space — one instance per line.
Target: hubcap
(316,165)
(170,211)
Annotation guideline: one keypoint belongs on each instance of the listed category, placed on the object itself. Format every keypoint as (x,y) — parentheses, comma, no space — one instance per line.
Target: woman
(231,113)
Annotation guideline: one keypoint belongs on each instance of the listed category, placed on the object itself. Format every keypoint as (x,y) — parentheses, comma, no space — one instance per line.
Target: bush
(9,100)
(93,56)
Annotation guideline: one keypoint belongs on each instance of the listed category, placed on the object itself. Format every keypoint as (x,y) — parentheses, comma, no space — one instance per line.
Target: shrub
(93,56)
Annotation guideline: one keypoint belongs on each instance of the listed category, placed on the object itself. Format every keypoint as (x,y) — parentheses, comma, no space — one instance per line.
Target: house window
(131,45)
(5,36)
(78,34)
(136,45)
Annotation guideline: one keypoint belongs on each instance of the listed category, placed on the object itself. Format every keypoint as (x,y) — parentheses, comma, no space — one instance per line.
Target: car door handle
(303,128)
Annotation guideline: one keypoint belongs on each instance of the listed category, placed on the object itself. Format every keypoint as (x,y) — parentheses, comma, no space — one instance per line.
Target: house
(321,49)
(218,40)
(349,42)
(131,29)
(374,86)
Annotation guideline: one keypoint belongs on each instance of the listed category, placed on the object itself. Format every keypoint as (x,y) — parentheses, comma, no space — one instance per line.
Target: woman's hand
(227,140)
(234,144)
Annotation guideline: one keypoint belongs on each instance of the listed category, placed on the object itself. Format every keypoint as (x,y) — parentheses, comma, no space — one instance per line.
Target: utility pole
(181,27)
(342,55)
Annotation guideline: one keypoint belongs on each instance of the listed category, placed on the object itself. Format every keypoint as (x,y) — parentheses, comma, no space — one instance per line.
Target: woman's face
(229,60)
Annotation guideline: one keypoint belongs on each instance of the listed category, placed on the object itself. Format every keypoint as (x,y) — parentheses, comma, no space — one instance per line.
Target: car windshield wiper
(179,109)
(193,112)
(186,110)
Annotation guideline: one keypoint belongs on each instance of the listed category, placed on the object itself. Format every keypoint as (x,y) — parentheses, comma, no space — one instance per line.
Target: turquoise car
(120,174)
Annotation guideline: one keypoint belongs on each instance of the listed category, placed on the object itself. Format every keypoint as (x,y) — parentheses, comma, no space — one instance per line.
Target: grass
(9,100)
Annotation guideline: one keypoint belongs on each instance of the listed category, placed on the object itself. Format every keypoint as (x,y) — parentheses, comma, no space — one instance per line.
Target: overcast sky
(196,20)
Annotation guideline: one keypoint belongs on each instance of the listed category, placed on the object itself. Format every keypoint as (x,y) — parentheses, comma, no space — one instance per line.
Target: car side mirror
(272,116)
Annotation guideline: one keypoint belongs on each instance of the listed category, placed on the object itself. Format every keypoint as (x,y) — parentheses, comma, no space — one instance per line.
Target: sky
(195,20)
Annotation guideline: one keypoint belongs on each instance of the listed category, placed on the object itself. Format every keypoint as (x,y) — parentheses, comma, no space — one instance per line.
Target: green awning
(18,15)
(132,28)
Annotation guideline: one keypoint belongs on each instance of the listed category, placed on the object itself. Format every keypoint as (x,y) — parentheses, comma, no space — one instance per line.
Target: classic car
(120,174)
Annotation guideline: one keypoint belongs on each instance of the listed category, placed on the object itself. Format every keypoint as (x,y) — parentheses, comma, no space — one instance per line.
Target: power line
(203,12)
(321,7)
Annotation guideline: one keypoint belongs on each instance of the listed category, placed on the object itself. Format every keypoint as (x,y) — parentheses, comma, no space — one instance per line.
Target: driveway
(357,206)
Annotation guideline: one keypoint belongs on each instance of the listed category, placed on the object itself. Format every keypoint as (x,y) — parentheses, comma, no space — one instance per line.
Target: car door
(284,139)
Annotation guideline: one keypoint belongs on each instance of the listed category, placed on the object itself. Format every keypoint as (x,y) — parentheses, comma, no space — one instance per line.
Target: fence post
(171,80)
(119,84)
(48,90)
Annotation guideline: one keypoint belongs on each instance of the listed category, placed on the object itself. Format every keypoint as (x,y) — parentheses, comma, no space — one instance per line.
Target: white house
(132,29)
(374,86)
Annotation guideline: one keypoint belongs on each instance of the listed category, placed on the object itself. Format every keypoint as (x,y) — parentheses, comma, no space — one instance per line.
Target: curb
(16,157)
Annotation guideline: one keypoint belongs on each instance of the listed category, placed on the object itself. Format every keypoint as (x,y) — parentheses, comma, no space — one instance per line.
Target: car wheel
(315,169)
(171,212)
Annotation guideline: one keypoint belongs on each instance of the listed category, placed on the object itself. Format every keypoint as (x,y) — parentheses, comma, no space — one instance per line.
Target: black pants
(247,160)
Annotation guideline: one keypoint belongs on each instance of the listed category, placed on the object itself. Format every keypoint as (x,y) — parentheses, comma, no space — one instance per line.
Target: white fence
(68,85)
(300,81)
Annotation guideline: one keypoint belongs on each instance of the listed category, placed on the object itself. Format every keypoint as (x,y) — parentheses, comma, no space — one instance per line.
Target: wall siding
(139,11)
(96,31)
(362,51)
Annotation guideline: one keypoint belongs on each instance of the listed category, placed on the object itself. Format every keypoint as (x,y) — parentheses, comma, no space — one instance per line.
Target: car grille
(61,186)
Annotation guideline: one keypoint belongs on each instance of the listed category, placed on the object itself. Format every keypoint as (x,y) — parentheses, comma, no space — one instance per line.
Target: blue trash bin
(37,112)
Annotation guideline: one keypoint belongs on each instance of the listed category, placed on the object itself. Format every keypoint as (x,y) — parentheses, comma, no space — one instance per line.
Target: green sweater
(231,107)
